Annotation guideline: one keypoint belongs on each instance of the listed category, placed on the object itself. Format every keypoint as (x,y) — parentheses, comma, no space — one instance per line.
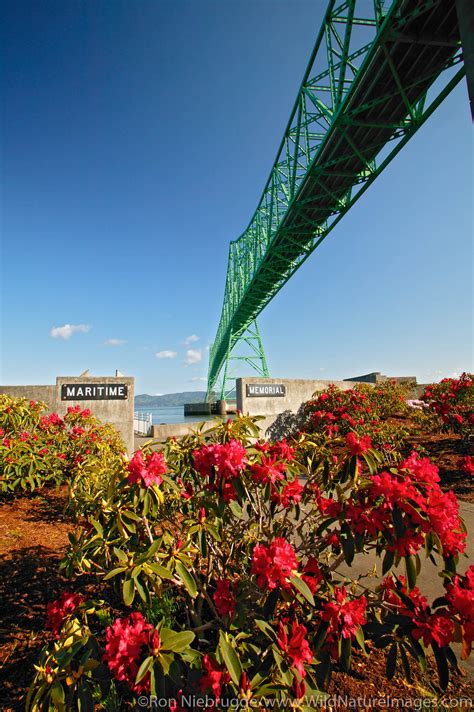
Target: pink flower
(282,451)
(466,464)
(443,512)
(225,460)
(295,646)
(58,610)
(344,615)
(146,471)
(312,575)
(216,676)
(436,627)
(421,469)
(358,446)
(224,598)
(273,565)
(290,494)
(221,463)
(127,639)
(268,470)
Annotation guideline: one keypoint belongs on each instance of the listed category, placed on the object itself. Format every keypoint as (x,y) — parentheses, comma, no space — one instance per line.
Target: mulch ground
(33,540)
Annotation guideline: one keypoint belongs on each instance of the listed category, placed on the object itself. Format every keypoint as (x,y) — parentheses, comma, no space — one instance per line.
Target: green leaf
(121,555)
(239,488)
(144,668)
(442,664)
(202,543)
(58,696)
(270,603)
(303,588)
(85,702)
(187,579)
(320,637)
(405,663)
(142,590)
(97,526)
(154,548)
(128,591)
(236,509)
(388,560)
(411,572)
(391,661)
(114,572)
(348,546)
(212,531)
(166,661)
(231,659)
(266,629)
(177,642)
(361,639)
(162,571)
(346,653)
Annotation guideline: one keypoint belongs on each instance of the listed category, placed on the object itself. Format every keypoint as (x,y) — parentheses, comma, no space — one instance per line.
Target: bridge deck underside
(410,56)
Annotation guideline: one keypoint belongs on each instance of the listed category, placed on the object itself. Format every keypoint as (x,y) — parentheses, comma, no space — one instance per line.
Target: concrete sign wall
(110,398)
(279,400)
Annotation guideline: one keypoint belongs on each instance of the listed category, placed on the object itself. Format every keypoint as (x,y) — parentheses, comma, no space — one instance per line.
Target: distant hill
(169,399)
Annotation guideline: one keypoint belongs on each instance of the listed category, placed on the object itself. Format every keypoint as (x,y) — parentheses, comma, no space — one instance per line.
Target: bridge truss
(378,70)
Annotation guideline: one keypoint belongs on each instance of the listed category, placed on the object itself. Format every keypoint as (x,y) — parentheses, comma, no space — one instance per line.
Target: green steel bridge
(378,70)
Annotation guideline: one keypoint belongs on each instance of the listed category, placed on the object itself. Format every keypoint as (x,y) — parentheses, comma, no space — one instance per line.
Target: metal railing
(142,423)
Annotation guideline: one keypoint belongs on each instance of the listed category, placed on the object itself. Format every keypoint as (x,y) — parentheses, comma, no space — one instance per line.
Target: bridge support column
(248,349)
(465,11)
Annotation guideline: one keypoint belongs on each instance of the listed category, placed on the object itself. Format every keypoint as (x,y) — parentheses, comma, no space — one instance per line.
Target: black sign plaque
(94,391)
(265,390)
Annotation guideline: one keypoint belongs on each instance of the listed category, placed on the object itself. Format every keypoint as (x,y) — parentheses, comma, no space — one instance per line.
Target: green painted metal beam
(377,72)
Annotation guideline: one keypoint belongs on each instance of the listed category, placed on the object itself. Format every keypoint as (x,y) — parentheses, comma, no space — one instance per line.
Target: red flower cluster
(221,463)
(58,610)
(216,676)
(343,615)
(290,494)
(146,471)
(460,595)
(224,598)
(273,565)
(128,641)
(280,449)
(51,421)
(453,400)
(423,507)
(312,574)
(268,470)
(357,446)
(436,627)
(466,464)
(295,645)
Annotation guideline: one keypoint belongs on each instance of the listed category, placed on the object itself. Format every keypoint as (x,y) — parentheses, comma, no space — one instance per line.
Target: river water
(172,414)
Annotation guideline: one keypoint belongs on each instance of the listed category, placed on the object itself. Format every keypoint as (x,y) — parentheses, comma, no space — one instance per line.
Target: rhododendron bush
(453,402)
(378,412)
(38,448)
(254,544)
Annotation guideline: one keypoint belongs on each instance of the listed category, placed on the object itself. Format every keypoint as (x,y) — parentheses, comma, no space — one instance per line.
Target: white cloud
(166,354)
(193,356)
(190,339)
(198,378)
(114,342)
(65,332)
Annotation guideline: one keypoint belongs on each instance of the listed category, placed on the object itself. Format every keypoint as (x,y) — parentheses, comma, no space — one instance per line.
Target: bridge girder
(367,89)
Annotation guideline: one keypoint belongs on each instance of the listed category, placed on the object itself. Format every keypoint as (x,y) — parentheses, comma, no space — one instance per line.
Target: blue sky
(136,140)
